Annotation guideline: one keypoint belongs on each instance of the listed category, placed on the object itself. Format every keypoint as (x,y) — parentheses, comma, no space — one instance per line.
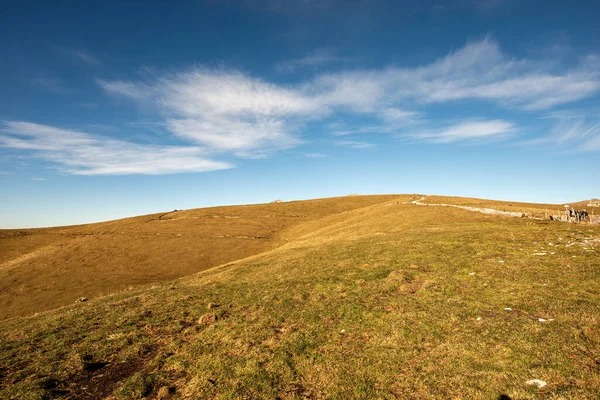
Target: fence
(533,214)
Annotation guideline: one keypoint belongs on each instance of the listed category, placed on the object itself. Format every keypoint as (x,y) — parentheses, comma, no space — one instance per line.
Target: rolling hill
(41,269)
(350,297)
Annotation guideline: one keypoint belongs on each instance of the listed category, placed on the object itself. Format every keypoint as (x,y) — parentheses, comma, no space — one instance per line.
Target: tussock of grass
(380,302)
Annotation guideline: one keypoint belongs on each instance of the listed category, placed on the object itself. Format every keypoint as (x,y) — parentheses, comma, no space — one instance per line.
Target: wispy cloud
(313,60)
(354,144)
(80,55)
(466,131)
(223,111)
(592,144)
(571,130)
(227,113)
(82,153)
(479,70)
(314,155)
(51,84)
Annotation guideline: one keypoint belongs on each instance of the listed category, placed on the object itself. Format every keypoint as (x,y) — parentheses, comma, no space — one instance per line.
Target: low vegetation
(42,269)
(386,300)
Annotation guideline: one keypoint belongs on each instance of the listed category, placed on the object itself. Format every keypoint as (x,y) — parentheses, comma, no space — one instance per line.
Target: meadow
(372,297)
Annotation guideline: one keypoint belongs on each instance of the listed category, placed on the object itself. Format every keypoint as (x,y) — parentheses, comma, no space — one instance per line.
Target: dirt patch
(99,379)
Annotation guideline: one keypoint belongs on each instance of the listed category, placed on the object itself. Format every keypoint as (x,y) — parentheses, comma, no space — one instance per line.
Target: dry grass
(41,269)
(386,301)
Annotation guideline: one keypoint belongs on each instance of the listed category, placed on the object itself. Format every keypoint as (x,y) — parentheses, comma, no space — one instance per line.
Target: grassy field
(379,300)
(42,269)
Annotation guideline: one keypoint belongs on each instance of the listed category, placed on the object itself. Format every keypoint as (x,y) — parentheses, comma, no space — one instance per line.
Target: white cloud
(467,130)
(127,89)
(315,59)
(238,136)
(398,116)
(229,112)
(81,153)
(224,111)
(479,70)
(354,144)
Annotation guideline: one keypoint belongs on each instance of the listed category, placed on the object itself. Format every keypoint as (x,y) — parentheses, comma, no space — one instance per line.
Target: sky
(120,108)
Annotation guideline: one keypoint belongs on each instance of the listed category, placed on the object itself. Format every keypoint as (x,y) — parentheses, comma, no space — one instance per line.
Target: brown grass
(385,301)
(41,269)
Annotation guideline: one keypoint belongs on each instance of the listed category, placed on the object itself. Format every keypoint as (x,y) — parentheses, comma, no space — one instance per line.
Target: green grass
(380,302)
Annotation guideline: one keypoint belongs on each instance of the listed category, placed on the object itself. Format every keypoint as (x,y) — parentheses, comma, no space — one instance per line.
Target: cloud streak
(467,131)
(354,144)
(80,55)
(80,153)
(317,58)
(571,130)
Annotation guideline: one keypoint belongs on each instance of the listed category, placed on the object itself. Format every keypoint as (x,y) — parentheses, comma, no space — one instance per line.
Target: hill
(41,269)
(381,300)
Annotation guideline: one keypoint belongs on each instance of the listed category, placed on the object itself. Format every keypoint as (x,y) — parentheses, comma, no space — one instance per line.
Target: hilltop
(354,297)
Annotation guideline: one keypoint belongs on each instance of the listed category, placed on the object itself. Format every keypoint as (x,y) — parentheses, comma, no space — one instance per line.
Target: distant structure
(276,201)
(594,203)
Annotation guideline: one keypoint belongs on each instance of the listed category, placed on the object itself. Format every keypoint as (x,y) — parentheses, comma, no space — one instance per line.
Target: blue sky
(116,109)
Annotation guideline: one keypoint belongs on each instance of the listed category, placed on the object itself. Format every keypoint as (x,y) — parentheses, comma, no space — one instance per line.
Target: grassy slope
(379,302)
(41,269)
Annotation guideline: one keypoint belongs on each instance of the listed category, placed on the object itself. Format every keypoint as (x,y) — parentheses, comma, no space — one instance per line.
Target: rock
(343,331)
(508,309)
(213,305)
(471,273)
(479,318)
(542,320)
(81,300)
(537,382)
